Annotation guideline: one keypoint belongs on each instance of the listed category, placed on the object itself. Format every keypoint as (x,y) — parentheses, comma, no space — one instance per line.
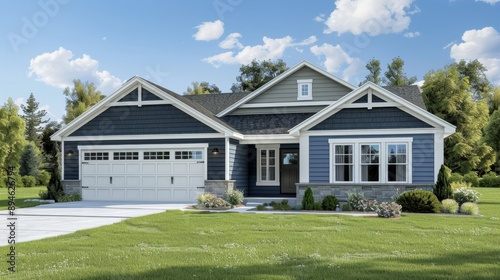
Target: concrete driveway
(50,220)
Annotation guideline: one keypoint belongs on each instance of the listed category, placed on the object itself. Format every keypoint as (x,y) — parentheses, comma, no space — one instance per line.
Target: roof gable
(268,86)
(356,99)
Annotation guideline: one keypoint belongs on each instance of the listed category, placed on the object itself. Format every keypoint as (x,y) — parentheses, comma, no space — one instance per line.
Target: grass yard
(197,245)
(21,195)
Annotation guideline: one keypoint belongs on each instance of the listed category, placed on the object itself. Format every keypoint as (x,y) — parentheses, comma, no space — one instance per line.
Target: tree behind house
(12,140)
(29,161)
(80,98)
(395,74)
(256,74)
(202,88)
(33,116)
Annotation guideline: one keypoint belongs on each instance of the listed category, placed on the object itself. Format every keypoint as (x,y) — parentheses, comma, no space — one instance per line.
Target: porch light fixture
(70,153)
(215,151)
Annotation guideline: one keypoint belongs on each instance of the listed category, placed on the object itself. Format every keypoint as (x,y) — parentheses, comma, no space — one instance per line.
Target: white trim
(278,79)
(438,153)
(139,95)
(386,95)
(304,159)
(369,106)
(308,83)
(371,132)
(144,137)
(288,104)
(226,158)
(269,139)
(277,159)
(383,162)
(63,154)
(139,104)
(142,147)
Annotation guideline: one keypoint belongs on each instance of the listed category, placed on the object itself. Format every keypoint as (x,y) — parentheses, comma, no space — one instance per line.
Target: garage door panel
(180,168)
(133,194)
(88,181)
(164,194)
(119,181)
(149,168)
(103,169)
(149,194)
(164,168)
(88,194)
(102,180)
(103,194)
(181,181)
(196,181)
(133,168)
(118,194)
(163,181)
(196,168)
(118,168)
(88,168)
(181,195)
(148,181)
(133,181)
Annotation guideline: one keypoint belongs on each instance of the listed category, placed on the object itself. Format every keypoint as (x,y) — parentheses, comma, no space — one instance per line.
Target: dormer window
(304,89)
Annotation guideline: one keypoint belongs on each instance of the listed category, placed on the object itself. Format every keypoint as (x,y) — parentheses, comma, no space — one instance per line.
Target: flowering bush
(449,206)
(234,197)
(353,199)
(463,195)
(388,210)
(469,208)
(209,200)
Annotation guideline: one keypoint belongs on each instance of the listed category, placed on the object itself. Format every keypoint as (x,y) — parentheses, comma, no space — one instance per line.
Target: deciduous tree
(202,88)
(12,140)
(395,74)
(80,98)
(256,74)
(375,71)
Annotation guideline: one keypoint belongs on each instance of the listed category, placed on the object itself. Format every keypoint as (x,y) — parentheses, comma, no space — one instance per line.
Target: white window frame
(308,83)
(383,158)
(276,181)
(387,155)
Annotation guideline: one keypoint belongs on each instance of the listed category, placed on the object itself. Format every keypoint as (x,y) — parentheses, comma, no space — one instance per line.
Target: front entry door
(289,170)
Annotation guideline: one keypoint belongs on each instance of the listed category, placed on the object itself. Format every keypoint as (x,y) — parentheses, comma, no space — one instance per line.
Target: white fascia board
(94,110)
(142,147)
(269,139)
(280,78)
(144,137)
(372,132)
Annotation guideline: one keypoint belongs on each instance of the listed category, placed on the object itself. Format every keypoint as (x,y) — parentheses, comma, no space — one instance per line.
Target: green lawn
(197,245)
(21,195)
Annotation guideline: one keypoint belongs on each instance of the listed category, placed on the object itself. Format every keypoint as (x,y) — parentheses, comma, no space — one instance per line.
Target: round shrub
(388,210)
(472,178)
(449,206)
(346,207)
(419,201)
(469,208)
(29,181)
(308,200)
(463,195)
(43,178)
(317,206)
(234,197)
(456,177)
(490,181)
(330,203)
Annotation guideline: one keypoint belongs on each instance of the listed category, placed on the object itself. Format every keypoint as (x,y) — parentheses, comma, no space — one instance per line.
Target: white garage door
(168,175)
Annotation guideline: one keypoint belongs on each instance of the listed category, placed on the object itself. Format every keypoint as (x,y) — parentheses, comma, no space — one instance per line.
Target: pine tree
(29,161)
(33,117)
(442,189)
(395,74)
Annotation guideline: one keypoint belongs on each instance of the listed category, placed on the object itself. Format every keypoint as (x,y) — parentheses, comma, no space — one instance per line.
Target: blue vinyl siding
(422,156)
(148,96)
(376,118)
(238,165)
(134,120)
(362,99)
(215,167)
(132,96)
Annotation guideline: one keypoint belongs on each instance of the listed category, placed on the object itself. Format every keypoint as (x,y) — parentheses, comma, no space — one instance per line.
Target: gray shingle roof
(266,124)
(409,93)
(216,103)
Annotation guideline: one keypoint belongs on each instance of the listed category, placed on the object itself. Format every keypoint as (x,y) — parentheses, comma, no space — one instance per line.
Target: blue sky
(45,44)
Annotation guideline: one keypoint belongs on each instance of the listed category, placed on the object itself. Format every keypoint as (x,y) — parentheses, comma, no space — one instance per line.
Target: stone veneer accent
(381,193)
(72,187)
(218,187)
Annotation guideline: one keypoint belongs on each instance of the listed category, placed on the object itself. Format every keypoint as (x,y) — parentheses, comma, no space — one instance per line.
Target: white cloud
(368,16)
(412,34)
(208,31)
(320,18)
(483,45)
(336,58)
(492,2)
(271,49)
(231,42)
(59,69)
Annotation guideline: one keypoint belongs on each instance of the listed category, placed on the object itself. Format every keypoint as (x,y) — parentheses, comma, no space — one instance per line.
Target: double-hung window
(267,165)
(304,89)
(370,160)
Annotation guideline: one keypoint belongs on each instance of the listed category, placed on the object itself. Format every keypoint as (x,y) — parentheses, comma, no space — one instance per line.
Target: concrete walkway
(50,220)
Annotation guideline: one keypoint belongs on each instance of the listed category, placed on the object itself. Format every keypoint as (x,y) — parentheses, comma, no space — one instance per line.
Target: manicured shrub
(208,200)
(283,205)
(490,181)
(456,177)
(234,197)
(19,181)
(460,184)
(449,206)
(29,181)
(317,206)
(354,200)
(469,208)
(43,178)
(308,200)
(329,203)
(464,195)
(419,201)
(346,207)
(261,207)
(69,198)
(442,188)
(472,178)
(43,195)
(368,205)
(388,210)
